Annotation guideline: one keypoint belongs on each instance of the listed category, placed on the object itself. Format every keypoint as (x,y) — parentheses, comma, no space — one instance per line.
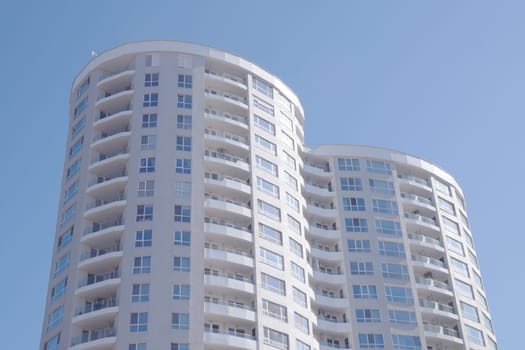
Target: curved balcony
(324,345)
(424,243)
(104,163)
(323,234)
(237,312)
(105,185)
(219,139)
(330,326)
(223,184)
(329,278)
(317,170)
(115,101)
(332,256)
(226,99)
(223,231)
(323,212)
(434,310)
(215,79)
(413,202)
(230,258)
(107,142)
(117,80)
(227,164)
(224,340)
(318,191)
(103,233)
(102,210)
(95,313)
(116,120)
(98,260)
(430,287)
(415,184)
(100,339)
(215,205)
(426,263)
(217,119)
(103,285)
(331,302)
(413,218)
(441,333)
(229,283)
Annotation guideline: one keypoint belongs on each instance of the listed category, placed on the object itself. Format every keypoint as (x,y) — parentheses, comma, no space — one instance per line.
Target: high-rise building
(192,216)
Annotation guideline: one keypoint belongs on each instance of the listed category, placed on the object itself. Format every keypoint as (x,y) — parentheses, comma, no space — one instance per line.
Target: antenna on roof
(93,53)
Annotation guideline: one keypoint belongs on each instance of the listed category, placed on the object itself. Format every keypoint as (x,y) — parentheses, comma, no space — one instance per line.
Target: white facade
(193,217)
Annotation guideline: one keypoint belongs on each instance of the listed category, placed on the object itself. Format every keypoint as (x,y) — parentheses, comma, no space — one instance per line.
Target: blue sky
(443,80)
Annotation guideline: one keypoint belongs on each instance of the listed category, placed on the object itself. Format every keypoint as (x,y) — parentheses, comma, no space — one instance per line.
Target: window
(399,295)
(274,310)
(143,238)
(52,344)
(273,284)
(470,312)
(184,121)
(384,207)
(184,61)
(148,142)
(379,186)
(62,263)
(81,107)
(267,187)
(263,106)
(77,128)
(297,272)
(285,102)
(446,206)
(183,166)
(182,238)
(266,165)
(68,214)
(473,259)
(292,202)
(264,124)
(269,210)
(184,101)
(391,248)
(275,338)
(181,264)
(149,120)
(270,234)
(151,100)
(73,170)
(474,335)
(441,187)
(364,291)
(152,60)
(406,342)
(367,315)
(477,279)
(356,225)
(348,164)
(463,219)
(151,79)
(294,225)
(144,213)
(358,245)
(183,143)
(270,258)
(351,184)
(286,120)
(58,290)
(469,239)
(388,227)
(77,146)
(65,238)
(263,87)
(138,346)
(147,165)
(181,292)
(292,181)
(180,346)
(146,188)
(460,267)
(398,271)
(185,81)
(301,323)
(361,268)
(375,166)
(83,88)
(455,246)
(138,322)
(371,341)
(488,323)
(464,289)
(55,317)
(296,247)
(482,299)
(354,204)
(266,145)
(142,264)
(288,140)
(402,317)
(139,292)
(289,160)
(182,189)
(299,297)
(299,345)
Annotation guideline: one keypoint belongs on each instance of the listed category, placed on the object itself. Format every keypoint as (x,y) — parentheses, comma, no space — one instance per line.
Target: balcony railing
(101,157)
(109,94)
(432,283)
(220,177)
(324,168)
(228,303)
(427,260)
(226,95)
(226,135)
(92,279)
(416,198)
(332,345)
(228,250)
(226,200)
(441,330)
(421,218)
(103,115)
(117,72)
(92,253)
(100,180)
(225,156)
(436,306)
(91,335)
(102,226)
(234,333)
(237,118)
(230,276)
(100,202)
(104,135)
(221,222)
(96,305)
(425,239)
(227,76)
(415,179)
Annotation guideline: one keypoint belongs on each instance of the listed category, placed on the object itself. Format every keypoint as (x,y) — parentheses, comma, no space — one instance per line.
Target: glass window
(181,292)
(289,160)
(138,346)
(81,107)
(183,166)
(264,124)
(55,317)
(263,87)
(77,146)
(398,271)
(147,165)
(460,267)
(142,264)
(58,290)
(148,142)
(52,344)
(354,204)
(144,213)
(365,291)
(391,248)
(380,186)
(371,341)
(273,284)
(463,219)
(270,234)
(143,238)
(183,189)
(378,167)
(399,295)
(269,210)
(384,207)
(358,245)
(146,188)
(151,79)
(65,238)
(149,120)
(299,297)
(83,88)
(180,320)
(367,315)
(270,258)
(267,187)
(183,143)
(62,263)
(388,227)
(361,268)
(182,238)
(348,164)
(73,170)
(297,271)
(455,246)
(68,215)
(402,317)
(477,280)
(356,225)
(181,264)
(450,225)
(292,181)
(351,184)
(263,106)
(266,165)
(295,247)
(292,202)
(138,322)
(487,322)
(265,144)
(406,342)
(275,338)
(184,101)
(274,310)
(77,128)
(140,292)
(464,289)
(184,121)
(446,206)
(185,81)
(473,259)
(475,335)
(441,187)
(301,323)
(294,225)
(287,140)
(299,345)
(151,100)
(470,312)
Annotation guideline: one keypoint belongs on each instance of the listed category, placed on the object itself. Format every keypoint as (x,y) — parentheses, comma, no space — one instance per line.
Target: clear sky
(441,79)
